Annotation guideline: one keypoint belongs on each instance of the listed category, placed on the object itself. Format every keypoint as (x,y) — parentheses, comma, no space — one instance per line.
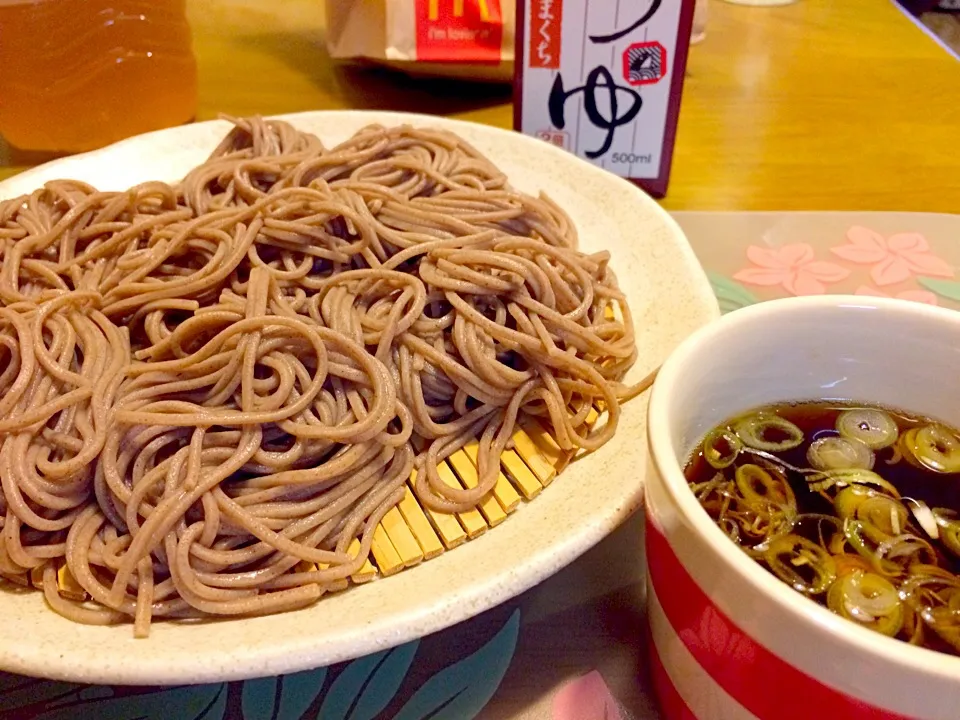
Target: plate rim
(279,658)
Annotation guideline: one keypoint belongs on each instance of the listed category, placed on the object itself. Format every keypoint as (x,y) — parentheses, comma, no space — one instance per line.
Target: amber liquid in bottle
(79,74)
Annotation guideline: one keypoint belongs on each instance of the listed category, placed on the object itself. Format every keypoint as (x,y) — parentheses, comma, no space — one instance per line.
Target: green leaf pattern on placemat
(366,686)
(202,702)
(730,294)
(286,697)
(461,690)
(362,690)
(17,693)
(949,289)
(298,692)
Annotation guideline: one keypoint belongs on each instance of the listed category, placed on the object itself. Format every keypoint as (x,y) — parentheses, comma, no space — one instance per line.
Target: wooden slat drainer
(447,527)
(402,538)
(490,507)
(471,520)
(411,533)
(520,474)
(503,491)
(419,525)
(384,553)
(68,585)
(367,572)
(336,586)
(534,458)
(555,456)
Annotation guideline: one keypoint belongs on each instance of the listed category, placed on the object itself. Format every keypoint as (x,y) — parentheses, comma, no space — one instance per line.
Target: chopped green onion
(766,431)
(788,554)
(932,593)
(874,557)
(731,529)
(913,626)
(906,443)
(882,517)
(868,599)
(924,517)
(949,527)
(839,453)
(867,548)
(775,461)
(874,428)
(944,623)
(852,476)
(849,499)
(758,527)
(925,574)
(906,550)
(826,530)
(757,486)
(936,448)
(721,447)
(847,563)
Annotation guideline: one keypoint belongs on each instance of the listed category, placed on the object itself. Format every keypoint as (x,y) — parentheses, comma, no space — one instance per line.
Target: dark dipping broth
(854,507)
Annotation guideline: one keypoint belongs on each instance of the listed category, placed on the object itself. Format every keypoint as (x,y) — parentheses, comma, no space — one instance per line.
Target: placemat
(573,647)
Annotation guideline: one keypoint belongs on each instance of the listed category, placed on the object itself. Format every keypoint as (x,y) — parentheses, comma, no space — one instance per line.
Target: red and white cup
(729,641)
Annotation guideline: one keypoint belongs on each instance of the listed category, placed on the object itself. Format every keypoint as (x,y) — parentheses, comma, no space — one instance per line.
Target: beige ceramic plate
(670,297)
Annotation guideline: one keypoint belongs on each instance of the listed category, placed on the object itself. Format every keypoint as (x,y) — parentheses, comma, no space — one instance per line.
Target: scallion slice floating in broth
(924,517)
(907,550)
(767,431)
(874,428)
(839,453)
(801,563)
(848,562)
(868,599)
(859,541)
(721,447)
(756,485)
(849,476)
(882,517)
(836,502)
(936,448)
(934,596)
(949,529)
(825,530)
(849,499)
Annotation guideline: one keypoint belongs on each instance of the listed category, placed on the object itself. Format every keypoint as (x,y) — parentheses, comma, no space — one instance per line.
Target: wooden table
(817,105)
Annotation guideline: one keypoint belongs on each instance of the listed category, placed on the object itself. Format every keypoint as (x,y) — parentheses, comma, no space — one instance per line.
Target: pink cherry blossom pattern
(587,697)
(894,259)
(793,266)
(921,296)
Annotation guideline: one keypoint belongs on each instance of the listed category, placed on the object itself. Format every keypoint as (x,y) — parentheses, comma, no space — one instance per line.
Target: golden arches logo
(434,10)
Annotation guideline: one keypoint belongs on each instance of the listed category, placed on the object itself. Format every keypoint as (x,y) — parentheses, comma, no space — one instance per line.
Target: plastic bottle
(80,74)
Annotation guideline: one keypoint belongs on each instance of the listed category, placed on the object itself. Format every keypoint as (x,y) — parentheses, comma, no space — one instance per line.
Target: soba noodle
(205,386)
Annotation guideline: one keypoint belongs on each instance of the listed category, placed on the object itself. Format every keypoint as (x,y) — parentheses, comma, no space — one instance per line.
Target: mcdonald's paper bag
(455,38)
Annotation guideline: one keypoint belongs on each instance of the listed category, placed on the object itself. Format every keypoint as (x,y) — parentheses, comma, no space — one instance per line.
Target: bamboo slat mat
(411,533)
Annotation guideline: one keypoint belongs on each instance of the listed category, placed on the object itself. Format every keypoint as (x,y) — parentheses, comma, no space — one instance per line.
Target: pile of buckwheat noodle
(205,385)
